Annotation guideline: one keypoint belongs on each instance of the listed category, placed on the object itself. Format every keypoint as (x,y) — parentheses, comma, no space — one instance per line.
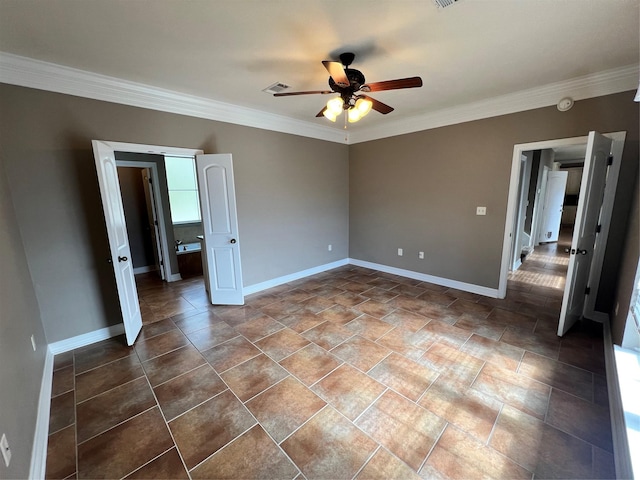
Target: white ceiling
(229,50)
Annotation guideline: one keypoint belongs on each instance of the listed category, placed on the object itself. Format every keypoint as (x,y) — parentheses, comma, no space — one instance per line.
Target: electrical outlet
(421,255)
(481,210)
(329,247)
(33,343)
(6,451)
(400,252)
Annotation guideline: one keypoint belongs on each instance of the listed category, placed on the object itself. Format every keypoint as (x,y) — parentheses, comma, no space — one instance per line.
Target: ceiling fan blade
(321,112)
(312,92)
(336,70)
(378,106)
(411,82)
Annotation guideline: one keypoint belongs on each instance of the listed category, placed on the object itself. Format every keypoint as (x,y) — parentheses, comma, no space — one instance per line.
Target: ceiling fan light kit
(346,82)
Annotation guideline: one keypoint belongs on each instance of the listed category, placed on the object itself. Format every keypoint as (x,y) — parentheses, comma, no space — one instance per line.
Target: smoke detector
(276,88)
(444,3)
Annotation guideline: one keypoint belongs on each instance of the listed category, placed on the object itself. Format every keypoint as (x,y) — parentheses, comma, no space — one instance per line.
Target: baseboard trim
(621,453)
(145,269)
(258,287)
(445,282)
(38,465)
(174,277)
(86,339)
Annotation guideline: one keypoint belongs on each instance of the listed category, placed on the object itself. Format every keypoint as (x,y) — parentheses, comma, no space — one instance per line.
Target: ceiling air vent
(444,3)
(276,88)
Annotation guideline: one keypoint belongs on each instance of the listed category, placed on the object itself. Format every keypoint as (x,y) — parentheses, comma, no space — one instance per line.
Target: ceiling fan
(348,82)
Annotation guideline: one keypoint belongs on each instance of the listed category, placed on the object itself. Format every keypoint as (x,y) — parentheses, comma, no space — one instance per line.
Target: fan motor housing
(356,80)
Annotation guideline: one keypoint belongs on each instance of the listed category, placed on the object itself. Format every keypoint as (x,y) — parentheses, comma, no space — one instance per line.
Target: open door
(221,245)
(553,205)
(152,215)
(118,239)
(585,230)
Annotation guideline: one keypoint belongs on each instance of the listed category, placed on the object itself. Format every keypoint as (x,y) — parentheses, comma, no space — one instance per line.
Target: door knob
(566,250)
(581,252)
(233,240)
(122,259)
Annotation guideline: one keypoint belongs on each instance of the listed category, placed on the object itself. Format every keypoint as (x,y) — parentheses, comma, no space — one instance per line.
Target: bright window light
(183,189)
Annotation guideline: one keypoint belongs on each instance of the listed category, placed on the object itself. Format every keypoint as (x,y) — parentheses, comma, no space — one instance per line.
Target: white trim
(27,72)
(607,82)
(621,454)
(274,282)
(86,339)
(174,277)
(38,465)
(145,269)
(445,282)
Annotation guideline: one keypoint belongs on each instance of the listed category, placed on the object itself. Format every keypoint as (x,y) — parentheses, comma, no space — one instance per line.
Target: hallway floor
(348,373)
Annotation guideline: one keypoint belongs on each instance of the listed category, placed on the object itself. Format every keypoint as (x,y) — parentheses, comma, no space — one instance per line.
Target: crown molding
(595,85)
(27,72)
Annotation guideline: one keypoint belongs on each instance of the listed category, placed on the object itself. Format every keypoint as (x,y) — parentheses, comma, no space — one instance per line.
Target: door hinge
(149,178)
(610,160)
(587,290)
(161,263)
(598,228)
(155,222)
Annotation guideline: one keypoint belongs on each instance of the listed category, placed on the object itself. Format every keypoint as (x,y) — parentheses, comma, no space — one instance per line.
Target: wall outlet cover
(400,252)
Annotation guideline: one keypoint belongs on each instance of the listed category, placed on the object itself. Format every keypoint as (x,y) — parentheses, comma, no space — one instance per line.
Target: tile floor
(349,373)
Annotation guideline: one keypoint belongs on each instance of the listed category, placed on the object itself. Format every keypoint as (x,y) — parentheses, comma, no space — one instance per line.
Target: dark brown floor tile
(462,306)
(329,446)
(101,353)
(542,344)
(595,424)
(383,283)
(385,466)
(121,450)
(408,290)
(284,407)
(310,364)
(282,344)
(472,297)
(539,447)
(406,320)
(253,376)
(63,360)
(112,407)
(369,327)
(349,299)
(186,391)
(457,455)
(530,396)
(442,332)
(101,379)
(591,359)
(405,429)
(440,298)
(61,453)
(297,295)
(379,295)
(512,318)
(62,413)
(467,409)
(259,327)
(279,310)
(451,363)
(62,381)
(301,321)
(315,305)
(235,315)
(374,308)
(160,344)
(230,353)
(261,299)
(603,464)
(485,327)
(499,353)
(403,342)
(339,314)
(212,335)
(172,364)
(355,287)
(403,375)
(328,291)
(361,353)
(152,329)
(438,312)
(195,322)
(600,391)
(168,465)
(205,429)
(328,334)
(170,307)
(558,375)
(266,460)
(348,390)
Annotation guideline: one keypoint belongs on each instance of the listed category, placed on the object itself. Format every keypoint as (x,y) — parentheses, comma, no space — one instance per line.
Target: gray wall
(20,367)
(420,191)
(292,196)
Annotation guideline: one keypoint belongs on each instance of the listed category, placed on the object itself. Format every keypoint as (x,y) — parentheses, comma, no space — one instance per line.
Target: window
(183,189)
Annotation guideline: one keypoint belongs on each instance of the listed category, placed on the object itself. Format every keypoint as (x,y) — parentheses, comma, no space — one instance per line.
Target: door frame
(607,207)
(155,186)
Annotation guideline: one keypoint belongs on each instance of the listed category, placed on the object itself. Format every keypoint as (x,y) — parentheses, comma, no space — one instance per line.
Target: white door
(552,210)
(152,214)
(118,238)
(584,233)
(221,244)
